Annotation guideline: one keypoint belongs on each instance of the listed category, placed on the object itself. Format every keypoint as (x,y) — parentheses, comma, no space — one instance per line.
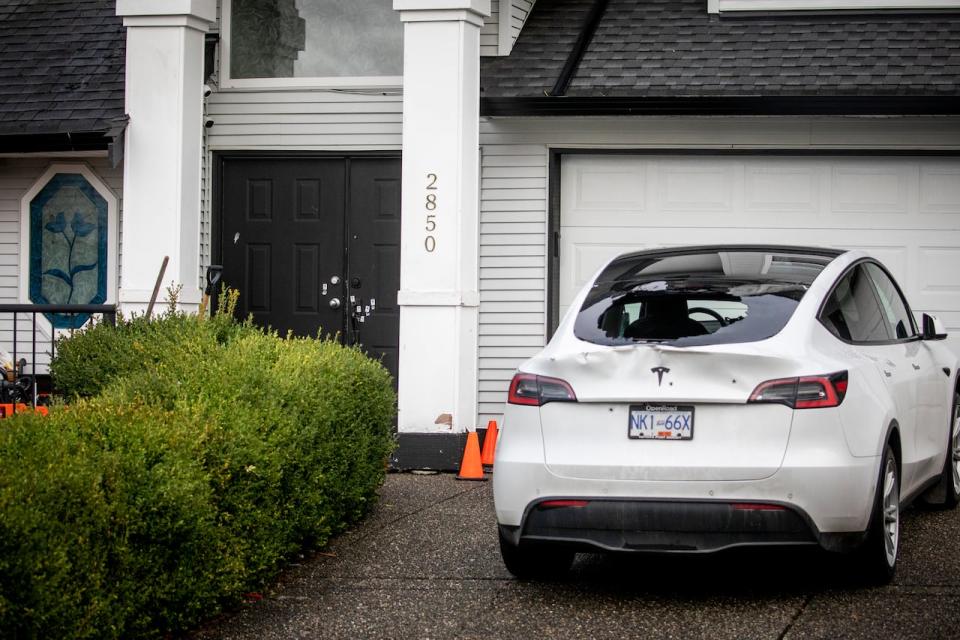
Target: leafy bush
(188,480)
(88,361)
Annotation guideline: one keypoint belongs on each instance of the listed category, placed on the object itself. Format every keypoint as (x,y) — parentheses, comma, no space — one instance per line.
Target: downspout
(587,30)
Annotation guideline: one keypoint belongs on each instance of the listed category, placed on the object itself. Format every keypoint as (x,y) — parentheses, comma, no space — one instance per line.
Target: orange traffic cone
(470,467)
(489,444)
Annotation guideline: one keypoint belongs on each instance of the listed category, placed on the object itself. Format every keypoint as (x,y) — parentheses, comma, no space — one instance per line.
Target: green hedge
(207,460)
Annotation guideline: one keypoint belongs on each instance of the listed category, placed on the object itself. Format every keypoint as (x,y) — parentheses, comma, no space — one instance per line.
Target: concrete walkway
(426,565)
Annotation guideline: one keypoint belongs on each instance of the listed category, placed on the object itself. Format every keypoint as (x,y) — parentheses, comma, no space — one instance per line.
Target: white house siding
(521,9)
(489,33)
(17,176)
(514,201)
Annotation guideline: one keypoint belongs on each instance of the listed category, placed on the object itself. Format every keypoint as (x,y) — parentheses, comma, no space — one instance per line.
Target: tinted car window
(895,311)
(696,298)
(852,311)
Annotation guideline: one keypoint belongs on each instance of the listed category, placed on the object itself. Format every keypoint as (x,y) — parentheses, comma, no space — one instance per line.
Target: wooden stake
(156,287)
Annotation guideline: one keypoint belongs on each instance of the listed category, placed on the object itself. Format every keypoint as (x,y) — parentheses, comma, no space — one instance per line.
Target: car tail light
(806,392)
(529,389)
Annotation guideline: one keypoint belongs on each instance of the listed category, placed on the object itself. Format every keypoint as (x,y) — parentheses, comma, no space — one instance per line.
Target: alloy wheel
(891,510)
(955,449)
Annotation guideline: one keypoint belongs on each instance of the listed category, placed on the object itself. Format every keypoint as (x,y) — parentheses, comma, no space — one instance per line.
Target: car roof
(708,248)
(673,261)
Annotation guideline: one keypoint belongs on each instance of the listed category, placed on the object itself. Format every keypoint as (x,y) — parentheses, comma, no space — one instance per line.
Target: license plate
(660,422)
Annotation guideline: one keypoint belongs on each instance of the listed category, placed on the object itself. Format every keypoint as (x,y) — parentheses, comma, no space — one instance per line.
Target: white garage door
(903,210)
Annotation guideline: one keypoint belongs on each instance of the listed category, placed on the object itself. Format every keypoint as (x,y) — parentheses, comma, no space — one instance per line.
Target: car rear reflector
(757,506)
(806,392)
(535,391)
(558,504)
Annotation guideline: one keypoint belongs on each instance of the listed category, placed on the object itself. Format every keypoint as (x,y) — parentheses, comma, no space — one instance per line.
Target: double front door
(313,246)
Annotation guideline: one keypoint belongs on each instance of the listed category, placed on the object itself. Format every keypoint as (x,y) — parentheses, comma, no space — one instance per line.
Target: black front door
(313,245)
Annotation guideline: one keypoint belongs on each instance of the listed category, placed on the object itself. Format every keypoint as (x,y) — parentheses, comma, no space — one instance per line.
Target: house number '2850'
(430,242)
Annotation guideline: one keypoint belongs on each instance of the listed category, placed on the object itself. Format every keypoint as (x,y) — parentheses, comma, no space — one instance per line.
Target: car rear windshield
(714,297)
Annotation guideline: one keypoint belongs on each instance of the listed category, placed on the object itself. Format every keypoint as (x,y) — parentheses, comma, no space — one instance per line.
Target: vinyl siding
(17,176)
(489,33)
(514,202)
(521,9)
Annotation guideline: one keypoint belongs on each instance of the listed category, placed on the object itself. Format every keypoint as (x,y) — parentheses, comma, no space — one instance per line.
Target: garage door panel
(940,189)
(938,282)
(611,187)
(782,187)
(871,188)
(695,185)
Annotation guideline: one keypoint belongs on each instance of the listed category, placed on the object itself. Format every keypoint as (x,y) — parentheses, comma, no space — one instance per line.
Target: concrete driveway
(426,565)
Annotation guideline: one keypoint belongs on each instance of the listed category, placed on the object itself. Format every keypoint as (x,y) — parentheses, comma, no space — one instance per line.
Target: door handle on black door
(334,303)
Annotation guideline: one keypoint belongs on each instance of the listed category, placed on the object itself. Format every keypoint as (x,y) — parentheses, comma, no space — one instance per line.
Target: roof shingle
(674,48)
(61,66)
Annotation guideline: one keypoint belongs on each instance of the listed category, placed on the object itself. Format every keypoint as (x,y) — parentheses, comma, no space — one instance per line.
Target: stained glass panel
(68,246)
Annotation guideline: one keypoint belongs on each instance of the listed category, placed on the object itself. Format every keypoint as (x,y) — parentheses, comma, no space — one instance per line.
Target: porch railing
(19,386)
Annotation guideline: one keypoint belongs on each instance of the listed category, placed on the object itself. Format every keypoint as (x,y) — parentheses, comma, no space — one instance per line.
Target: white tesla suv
(697,399)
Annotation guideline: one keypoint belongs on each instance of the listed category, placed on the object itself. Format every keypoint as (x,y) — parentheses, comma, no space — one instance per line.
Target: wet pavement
(426,564)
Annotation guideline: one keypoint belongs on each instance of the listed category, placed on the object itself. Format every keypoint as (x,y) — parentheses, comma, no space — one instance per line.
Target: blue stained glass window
(68,246)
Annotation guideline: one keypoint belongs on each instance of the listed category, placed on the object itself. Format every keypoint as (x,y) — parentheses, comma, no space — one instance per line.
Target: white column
(161,177)
(440,235)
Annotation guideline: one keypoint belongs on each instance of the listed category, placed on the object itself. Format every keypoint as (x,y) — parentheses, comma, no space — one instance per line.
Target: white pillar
(439,296)
(161,176)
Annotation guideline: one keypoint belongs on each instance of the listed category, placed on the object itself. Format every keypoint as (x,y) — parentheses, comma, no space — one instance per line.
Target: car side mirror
(933,328)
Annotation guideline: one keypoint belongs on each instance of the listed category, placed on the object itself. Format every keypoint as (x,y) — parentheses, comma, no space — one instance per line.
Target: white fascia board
(723,6)
(504,39)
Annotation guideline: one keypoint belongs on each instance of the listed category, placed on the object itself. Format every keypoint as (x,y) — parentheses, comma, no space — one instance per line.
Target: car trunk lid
(731,440)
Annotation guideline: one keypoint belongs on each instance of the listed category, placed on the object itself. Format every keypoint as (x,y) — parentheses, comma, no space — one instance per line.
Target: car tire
(876,559)
(535,561)
(946,493)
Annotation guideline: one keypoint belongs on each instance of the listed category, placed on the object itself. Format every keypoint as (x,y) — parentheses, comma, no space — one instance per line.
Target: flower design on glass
(79,228)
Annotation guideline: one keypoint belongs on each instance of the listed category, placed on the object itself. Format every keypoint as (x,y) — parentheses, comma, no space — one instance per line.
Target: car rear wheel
(877,558)
(946,493)
(535,561)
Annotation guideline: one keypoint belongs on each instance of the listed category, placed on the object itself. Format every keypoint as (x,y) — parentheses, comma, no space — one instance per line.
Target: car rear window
(713,297)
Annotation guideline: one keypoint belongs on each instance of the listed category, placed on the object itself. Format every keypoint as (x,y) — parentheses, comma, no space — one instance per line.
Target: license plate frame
(643,423)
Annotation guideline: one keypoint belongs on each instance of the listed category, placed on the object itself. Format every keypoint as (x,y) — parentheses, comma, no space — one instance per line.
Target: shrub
(89,360)
(188,480)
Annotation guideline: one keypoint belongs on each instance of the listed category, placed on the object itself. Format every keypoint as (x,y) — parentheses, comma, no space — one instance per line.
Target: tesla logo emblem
(660,371)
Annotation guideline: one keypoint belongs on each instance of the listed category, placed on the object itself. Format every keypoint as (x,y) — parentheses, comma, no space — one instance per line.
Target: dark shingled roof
(61,66)
(675,49)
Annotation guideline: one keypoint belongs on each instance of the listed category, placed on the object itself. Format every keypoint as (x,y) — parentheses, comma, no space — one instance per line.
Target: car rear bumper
(669,526)
(826,499)
(818,478)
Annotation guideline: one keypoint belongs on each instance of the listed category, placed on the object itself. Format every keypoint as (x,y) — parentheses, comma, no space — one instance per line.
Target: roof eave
(722,105)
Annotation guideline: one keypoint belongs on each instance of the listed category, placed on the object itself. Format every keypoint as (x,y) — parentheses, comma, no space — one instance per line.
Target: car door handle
(916,367)
(887,373)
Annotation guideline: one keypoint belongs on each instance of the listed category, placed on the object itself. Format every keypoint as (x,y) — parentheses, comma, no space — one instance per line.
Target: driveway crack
(796,616)
(413,513)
